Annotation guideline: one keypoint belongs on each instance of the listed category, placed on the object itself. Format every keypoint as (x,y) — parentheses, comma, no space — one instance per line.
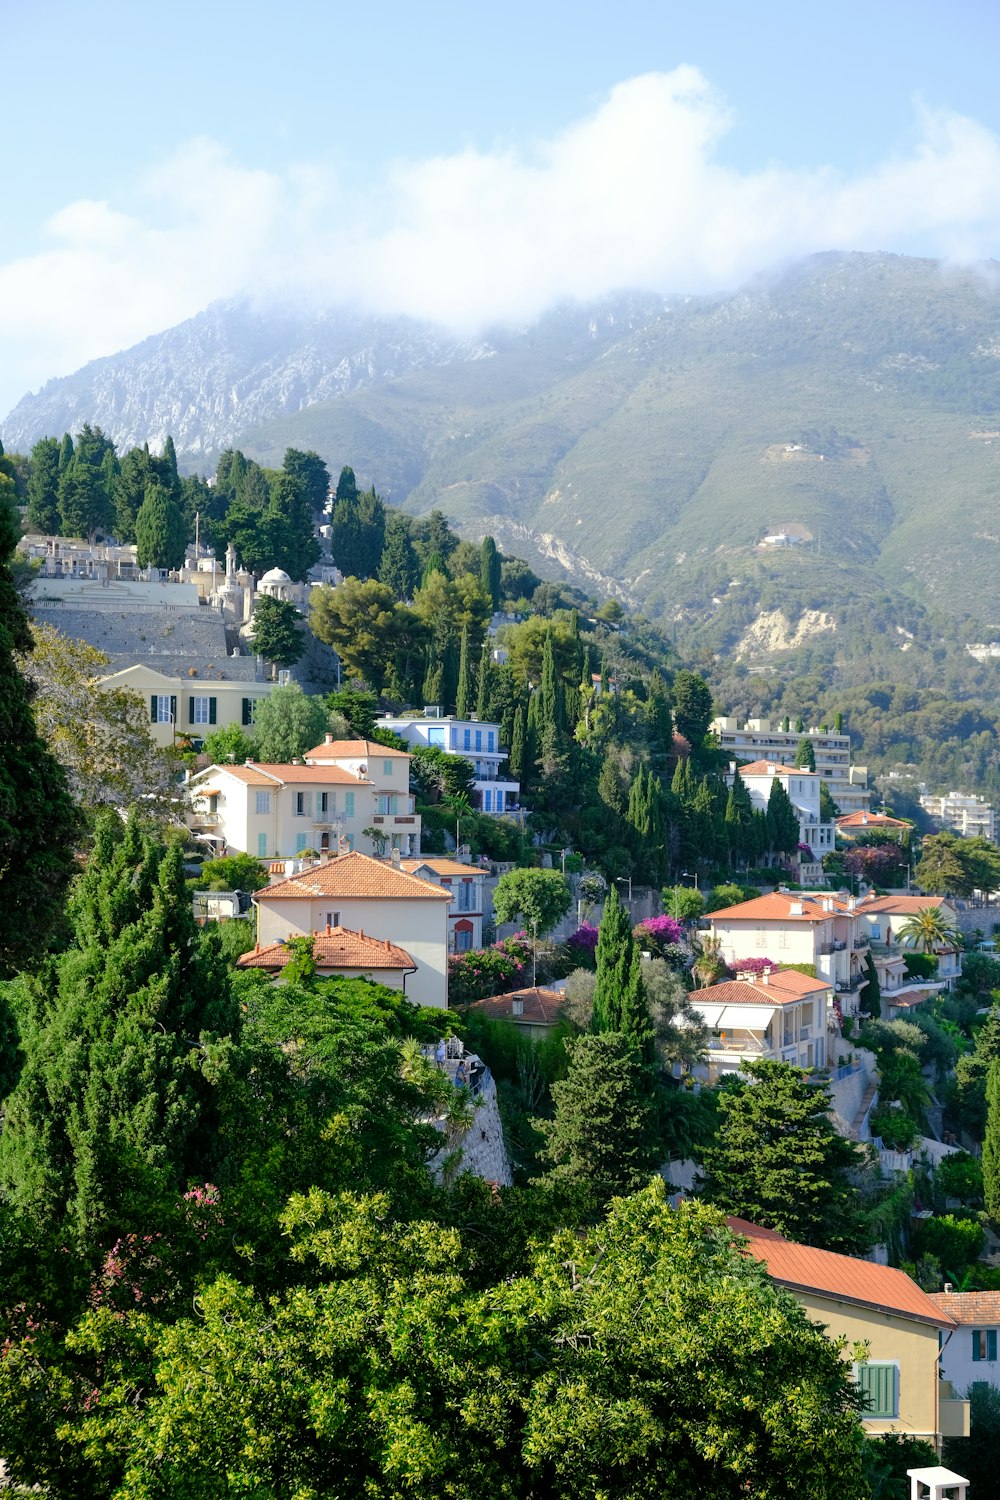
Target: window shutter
(190,710)
(991,1344)
(152,709)
(173,710)
(975,1346)
(211,710)
(246,710)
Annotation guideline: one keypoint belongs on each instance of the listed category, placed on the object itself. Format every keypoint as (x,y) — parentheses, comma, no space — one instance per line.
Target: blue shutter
(152,709)
(975,1346)
(991,1345)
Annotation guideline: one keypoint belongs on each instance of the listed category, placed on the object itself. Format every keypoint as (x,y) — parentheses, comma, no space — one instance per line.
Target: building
(970,1354)
(802,789)
(476,742)
(799,928)
(536,1010)
(465,883)
(340,953)
(882,1308)
(886,917)
(762,738)
(369,897)
(972,817)
(388,771)
(778,1014)
(853,825)
(197,704)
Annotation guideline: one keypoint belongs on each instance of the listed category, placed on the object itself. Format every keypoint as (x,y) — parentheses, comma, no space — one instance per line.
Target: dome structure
(274,575)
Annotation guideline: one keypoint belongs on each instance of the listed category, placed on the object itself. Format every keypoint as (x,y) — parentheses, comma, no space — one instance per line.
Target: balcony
(205,819)
(744,1042)
(861,942)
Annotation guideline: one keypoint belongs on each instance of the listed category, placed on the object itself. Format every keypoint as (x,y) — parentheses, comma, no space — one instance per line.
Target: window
(261,844)
(984,1345)
(249,710)
(201,710)
(490,737)
(303,805)
(498,804)
(387,802)
(879,1383)
(333,919)
(163,709)
(436,737)
(479,739)
(466,739)
(487,801)
(466,891)
(349,804)
(301,840)
(262,804)
(463,941)
(387,768)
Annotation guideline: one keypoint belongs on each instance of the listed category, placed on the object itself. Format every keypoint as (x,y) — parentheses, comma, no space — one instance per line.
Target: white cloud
(631,195)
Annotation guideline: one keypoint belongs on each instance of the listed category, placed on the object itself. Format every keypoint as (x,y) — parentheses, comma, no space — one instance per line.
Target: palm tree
(709,965)
(929,930)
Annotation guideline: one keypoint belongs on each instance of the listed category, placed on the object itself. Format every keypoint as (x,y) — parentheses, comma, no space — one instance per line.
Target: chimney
(517,1007)
(796,909)
(765,976)
(328,738)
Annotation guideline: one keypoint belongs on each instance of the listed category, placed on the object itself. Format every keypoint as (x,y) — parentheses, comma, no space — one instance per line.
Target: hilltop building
(476,742)
(763,738)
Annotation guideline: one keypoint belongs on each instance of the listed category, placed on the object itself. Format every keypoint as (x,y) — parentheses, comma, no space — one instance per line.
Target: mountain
(851,402)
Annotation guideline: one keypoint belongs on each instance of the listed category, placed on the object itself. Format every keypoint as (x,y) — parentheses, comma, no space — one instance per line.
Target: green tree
(364,625)
(489,571)
(692,710)
(941,868)
(278,631)
(233,872)
(287,724)
(805,755)
(347,485)
(991,1145)
(600,1141)
(972,1071)
(160,530)
(928,930)
(540,898)
(288,526)
(38,823)
(398,568)
(620,1002)
(231,744)
(975,1457)
(43,487)
(683,902)
(464,695)
(309,470)
(778,1161)
(782,820)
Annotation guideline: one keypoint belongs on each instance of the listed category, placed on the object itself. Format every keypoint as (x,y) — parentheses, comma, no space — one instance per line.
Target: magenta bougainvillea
(488,971)
(753,965)
(584,939)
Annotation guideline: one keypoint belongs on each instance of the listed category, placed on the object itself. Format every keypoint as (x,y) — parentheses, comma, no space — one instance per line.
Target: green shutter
(190,710)
(991,1345)
(152,709)
(211,710)
(975,1345)
(878,1385)
(247,715)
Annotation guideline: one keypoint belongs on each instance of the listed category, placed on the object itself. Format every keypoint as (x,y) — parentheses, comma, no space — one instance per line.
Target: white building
(778,1014)
(762,738)
(802,789)
(799,928)
(465,884)
(370,898)
(972,817)
(971,1353)
(476,742)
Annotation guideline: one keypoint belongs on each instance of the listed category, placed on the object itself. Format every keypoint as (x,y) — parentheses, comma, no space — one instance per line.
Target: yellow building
(197,704)
(881,1307)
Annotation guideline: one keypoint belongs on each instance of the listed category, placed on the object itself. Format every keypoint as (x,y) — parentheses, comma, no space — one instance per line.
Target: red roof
(783,987)
(354,876)
(449,867)
(903,906)
(261,773)
(976,1308)
(869,820)
(775,908)
(335,948)
(842,1278)
(773,768)
(541,1007)
(353,750)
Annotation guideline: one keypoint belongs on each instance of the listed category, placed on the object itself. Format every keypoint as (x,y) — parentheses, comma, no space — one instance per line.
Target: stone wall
(482,1147)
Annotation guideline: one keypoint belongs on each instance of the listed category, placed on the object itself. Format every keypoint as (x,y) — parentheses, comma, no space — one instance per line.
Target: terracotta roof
(903,906)
(803,1268)
(775,908)
(782,988)
(261,773)
(440,866)
(974,1308)
(354,876)
(773,768)
(250,775)
(869,820)
(909,1000)
(334,948)
(541,1006)
(353,750)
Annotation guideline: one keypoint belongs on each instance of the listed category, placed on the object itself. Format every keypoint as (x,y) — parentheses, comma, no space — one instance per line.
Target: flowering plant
(753,965)
(488,971)
(657,933)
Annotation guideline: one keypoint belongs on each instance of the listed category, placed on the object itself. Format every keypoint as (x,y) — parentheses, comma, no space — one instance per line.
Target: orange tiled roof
(773,768)
(869,820)
(775,908)
(439,866)
(335,948)
(841,1277)
(783,987)
(353,750)
(260,773)
(354,876)
(974,1308)
(541,1005)
(904,906)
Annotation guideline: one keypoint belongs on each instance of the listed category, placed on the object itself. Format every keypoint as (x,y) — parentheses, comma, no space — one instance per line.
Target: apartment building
(824,930)
(802,789)
(765,739)
(972,817)
(477,742)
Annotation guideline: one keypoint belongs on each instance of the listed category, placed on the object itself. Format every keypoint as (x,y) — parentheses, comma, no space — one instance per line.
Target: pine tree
(289,527)
(347,485)
(43,487)
(65,453)
(398,568)
(463,694)
(991,1145)
(620,1003)
(805,755)
(489,571)
(38,823)
(160,530)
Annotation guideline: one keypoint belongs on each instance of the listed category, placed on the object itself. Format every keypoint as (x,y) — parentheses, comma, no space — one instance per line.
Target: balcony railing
(206,819)
(737,1042)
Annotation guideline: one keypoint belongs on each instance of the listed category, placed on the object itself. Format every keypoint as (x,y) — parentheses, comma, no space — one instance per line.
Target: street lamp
(693,877)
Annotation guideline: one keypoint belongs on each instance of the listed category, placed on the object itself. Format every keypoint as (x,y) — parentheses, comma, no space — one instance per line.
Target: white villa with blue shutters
(477,742)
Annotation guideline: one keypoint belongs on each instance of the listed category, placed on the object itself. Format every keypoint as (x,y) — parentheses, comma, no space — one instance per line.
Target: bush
(488,971)
(581,947)
(920,965)
(658,933)
(897,1131)
(959,1176)
(956,1241)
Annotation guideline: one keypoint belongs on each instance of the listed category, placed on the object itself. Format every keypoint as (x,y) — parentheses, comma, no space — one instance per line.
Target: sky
(469,163)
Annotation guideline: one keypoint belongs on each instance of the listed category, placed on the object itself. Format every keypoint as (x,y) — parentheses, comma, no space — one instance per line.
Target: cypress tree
(620,1003)
(484,682)
(489,571)
(515,759)
(43,487)
(805,755)
(169,458)
(347,485)
(871,999)
(463,694)
(398,568)
(782,821)
(160,530)
(991,1145)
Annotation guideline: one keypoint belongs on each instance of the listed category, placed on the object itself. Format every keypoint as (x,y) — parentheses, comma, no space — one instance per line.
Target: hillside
(852,401)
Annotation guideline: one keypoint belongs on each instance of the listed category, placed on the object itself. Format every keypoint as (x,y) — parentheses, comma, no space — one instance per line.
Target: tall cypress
(515,759)
(484,682)
(43,486)
(991,1146)
(620,1003)
(489,571)
(463,693)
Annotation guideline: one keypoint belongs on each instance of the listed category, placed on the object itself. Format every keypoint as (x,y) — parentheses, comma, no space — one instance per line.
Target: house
(777,1013)
(388,772)
(197,704)
(972,817)
(339,952)
(881,1307)
(971,1352)
(478,742)
(370,896)
(465,883)
(802,789)
(851,825)
(820,929)
(847,784)
(887,916)
(535,1010)
(269,810)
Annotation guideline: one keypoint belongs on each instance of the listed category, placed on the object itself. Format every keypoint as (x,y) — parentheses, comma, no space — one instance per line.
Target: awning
(745,1017)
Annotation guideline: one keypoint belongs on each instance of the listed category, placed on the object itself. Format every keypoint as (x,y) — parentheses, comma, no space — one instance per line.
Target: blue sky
(468,162)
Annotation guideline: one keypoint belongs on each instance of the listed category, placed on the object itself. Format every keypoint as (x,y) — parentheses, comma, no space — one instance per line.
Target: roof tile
(354,876)
(336,948)
(353,750)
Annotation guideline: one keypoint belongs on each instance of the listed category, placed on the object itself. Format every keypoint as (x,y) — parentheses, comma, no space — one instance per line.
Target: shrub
(959,1176)
(658,933)
(897,1131)
(954,1240)
(488,971)
(920,965)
